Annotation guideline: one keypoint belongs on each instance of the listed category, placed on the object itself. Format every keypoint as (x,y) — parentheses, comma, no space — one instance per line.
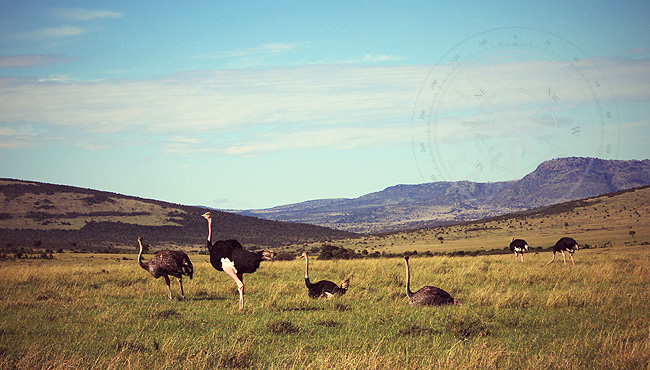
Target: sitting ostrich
(323,288)
(230,257)
(565,244)
(428,295)
(168,262)
(518,246)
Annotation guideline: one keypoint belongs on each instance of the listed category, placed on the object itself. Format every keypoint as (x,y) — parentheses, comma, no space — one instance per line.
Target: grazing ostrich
(518,246)
(428,295)
(168,262)
(230,257)
(323,288)
(565,244)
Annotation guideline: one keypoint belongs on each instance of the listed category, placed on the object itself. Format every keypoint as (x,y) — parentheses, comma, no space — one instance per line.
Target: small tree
(633,234)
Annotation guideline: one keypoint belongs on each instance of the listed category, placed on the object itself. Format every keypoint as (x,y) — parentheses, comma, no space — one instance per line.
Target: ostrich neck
(210,229)
(306,267)
(209,243)
(142,264)
(408,280)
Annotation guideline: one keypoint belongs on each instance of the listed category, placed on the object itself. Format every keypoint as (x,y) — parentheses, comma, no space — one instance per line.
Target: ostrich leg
(180,282)
(169,289)
(240,285)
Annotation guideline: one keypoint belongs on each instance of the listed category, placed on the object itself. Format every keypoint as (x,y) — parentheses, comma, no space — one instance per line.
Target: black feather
(324,288)
(565,244)
(245,262)
(519,246)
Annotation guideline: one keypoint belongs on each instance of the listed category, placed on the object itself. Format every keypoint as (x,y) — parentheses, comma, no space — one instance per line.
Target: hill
(57,216)
(611,220)
(404,207)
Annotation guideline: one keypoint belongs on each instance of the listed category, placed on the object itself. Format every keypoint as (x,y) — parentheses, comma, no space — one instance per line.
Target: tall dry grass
(104,312)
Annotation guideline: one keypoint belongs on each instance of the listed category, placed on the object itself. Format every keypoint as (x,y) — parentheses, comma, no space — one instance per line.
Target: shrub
(285,256)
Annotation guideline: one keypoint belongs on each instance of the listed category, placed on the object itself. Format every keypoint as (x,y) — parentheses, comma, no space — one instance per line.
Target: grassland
(102,311)
(83,311)
(596,222)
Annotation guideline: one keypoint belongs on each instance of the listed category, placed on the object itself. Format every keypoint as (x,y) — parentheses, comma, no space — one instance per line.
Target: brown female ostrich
(323,288)
(518,246)
(428,295)
(230,257)
(168,262)
(565,244)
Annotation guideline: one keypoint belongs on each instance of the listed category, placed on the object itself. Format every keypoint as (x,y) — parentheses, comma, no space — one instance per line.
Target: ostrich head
(406,257)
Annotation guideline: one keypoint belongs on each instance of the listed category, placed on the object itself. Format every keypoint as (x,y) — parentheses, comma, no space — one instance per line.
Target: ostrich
(323,288)
(230,257)
(518,246)
(565,244)
(168,262)
(428,295)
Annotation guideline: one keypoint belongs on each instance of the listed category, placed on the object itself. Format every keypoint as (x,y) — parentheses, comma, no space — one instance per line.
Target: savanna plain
(82,311)
(102,311)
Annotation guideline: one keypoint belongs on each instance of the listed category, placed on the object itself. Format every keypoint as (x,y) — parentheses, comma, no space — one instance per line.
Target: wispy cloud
(69,15)
(182,145)
(382,58)
(23,61)
(255,111)
(637,51)
(17,137)
(51,33)
(264,49)
(78,14)
(337,138)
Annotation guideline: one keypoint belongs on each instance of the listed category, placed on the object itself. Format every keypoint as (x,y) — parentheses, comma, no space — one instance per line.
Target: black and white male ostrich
(230,257)
(565,244)
(323,288)
(518,246)
(427,295)
(165,263)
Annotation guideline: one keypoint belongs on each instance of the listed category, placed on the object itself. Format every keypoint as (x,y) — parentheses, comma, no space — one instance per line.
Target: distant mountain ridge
(403,207)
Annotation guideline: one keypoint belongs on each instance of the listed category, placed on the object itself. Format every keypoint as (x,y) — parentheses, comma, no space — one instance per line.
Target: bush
(284,256)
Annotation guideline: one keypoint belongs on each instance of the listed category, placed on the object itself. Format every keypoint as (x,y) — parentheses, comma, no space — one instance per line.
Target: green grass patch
(76,312)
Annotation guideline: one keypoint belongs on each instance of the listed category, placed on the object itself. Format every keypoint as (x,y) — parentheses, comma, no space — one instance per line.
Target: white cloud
(252,111)
(278,47)
(182,145)
(218,100)
(382,58)
(637,51)
(23,61)
(337,138)
(259,51)
(17,137)
(51,33)
(78,14)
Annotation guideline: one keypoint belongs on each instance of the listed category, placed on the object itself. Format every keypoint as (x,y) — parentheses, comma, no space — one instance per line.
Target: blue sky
(256,104)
